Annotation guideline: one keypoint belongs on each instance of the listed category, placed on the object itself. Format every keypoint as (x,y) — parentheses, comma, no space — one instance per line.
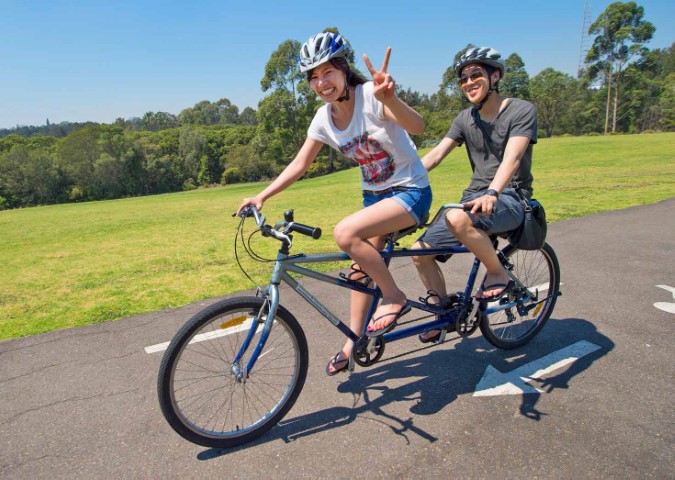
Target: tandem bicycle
(236,368)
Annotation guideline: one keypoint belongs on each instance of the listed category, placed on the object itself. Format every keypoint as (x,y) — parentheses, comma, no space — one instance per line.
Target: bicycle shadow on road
(431,378)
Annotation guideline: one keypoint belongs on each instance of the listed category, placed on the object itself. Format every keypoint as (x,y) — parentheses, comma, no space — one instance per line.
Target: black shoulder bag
(531,234)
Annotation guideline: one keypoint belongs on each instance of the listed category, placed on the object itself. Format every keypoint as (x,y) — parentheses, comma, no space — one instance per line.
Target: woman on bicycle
(367,122)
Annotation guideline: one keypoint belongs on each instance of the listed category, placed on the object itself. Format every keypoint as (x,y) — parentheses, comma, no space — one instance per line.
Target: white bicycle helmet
(320,48)
(483,55)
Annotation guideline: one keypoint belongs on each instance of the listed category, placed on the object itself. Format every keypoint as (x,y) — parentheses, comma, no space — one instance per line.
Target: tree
(621,35)
(158,121)
(552,93)
(516,80)
(248,117)
(281,70)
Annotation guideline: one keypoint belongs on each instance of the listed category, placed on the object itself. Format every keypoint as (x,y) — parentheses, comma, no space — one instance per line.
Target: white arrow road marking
(668,288)
(514,382)
(666,306)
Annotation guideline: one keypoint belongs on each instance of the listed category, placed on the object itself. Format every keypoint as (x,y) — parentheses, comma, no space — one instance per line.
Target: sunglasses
(474,75)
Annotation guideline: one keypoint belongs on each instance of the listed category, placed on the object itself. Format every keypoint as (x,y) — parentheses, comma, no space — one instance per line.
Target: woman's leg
(352,234)
(360,303)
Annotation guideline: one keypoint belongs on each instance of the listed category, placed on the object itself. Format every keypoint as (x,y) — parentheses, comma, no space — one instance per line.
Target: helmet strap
(491,88)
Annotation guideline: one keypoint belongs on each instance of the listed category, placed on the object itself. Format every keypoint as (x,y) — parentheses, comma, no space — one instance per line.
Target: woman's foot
(339,363)
(386,315)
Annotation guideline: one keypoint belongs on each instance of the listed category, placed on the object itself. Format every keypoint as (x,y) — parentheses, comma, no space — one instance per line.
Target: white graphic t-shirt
(383,150)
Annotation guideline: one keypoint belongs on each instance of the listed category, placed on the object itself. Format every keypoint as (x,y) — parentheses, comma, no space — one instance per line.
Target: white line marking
(160,347)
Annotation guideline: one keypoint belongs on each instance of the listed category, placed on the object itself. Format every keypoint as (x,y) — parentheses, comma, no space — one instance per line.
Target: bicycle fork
(270,294)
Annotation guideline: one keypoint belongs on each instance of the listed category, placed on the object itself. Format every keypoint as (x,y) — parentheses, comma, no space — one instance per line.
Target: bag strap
(479,122)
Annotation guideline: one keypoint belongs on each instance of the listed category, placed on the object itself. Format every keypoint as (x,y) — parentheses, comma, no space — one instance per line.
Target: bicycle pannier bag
(531,235)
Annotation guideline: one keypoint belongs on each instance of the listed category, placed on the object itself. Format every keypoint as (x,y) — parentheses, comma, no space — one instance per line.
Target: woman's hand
(255,201)
(385,87)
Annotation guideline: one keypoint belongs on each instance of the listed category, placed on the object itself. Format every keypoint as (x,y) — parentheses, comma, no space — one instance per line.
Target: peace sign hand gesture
(383,82)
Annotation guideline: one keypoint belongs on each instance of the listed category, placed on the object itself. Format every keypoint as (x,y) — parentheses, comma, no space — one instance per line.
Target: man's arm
(514,151)
(515,148)
(438,153)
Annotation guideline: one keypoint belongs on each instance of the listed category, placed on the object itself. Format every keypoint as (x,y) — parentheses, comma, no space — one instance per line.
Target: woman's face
(328,82)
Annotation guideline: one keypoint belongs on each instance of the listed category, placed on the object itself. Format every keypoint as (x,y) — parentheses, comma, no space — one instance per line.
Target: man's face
(474,82)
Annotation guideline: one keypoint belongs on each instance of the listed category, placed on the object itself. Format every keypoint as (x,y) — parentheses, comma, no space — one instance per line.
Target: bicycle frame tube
(285,264)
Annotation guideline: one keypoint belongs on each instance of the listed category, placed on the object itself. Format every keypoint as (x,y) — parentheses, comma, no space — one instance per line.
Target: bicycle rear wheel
(540,272)
(199,391)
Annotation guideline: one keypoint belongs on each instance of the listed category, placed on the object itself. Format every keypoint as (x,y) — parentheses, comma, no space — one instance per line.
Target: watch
(492,192)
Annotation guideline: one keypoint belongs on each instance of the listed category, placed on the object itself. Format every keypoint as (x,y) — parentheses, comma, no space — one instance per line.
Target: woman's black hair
(341,63)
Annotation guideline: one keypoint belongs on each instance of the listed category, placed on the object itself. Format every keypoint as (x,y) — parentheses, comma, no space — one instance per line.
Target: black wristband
(492,192)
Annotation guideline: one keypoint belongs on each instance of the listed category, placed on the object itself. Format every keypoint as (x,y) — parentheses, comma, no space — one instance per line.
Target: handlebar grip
(314,232)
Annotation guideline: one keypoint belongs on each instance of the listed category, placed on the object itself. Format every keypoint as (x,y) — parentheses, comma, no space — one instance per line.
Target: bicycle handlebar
(281,230)
(444,208)
(314,232)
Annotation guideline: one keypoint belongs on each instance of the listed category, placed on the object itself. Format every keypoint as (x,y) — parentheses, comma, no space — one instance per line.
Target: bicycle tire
(199,394)
(508,329)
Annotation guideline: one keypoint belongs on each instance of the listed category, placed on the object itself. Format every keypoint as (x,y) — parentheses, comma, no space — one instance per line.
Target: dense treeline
(625,89)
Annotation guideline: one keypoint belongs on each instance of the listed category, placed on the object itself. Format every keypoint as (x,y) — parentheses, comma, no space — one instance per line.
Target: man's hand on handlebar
(484,204)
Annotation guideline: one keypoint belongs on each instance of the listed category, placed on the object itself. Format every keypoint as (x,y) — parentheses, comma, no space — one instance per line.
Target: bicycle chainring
(467,323)
(367,351)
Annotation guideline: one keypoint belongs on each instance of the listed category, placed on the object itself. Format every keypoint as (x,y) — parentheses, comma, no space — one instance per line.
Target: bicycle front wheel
(209,398)
(539,271)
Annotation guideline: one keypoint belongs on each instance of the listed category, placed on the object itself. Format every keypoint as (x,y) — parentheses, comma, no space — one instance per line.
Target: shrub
(230,175)
(189,184)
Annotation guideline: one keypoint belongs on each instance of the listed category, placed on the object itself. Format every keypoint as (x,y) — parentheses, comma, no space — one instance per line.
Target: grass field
(77,264)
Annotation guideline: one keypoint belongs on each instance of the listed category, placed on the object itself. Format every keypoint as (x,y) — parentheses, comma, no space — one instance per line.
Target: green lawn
(70,265)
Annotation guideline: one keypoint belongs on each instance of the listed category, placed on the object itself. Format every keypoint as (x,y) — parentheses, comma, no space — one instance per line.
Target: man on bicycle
(499,133)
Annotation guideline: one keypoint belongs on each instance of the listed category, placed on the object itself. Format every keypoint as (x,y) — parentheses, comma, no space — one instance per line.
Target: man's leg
(474,233)
(437,236)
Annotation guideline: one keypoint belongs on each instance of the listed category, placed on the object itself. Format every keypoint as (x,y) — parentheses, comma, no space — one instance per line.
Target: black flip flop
(507,289)
(334,362)
(388,328)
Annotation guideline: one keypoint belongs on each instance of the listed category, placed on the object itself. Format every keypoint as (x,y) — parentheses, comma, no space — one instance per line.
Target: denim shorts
(507,215)
(416,201)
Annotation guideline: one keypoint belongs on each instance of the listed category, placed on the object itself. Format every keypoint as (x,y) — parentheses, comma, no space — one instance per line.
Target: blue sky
(99,60)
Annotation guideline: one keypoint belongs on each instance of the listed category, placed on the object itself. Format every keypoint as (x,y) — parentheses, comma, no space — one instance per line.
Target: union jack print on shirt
(377,166)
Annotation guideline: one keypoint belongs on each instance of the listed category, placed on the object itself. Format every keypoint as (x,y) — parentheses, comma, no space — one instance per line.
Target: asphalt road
(82,403)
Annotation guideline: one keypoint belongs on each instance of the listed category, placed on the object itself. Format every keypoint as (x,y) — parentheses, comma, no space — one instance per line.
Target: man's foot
(433,336)
(492,290)
(430,336)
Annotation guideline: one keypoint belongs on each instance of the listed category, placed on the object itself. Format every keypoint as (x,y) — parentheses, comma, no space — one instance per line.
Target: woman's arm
(395,109)
(294,170)
(404,115)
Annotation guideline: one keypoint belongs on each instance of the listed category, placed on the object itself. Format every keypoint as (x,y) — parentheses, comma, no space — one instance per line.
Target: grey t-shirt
(517,119)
